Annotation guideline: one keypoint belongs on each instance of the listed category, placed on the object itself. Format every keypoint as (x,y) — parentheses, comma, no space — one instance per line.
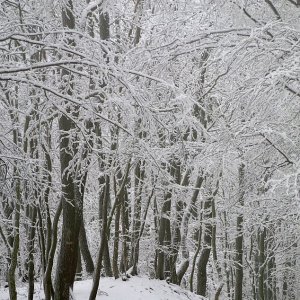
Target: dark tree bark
(139,173)
(197,250)
(16,243)
(261,277)
(125,232)
(239,241)
(162,230)
(176,230)
(96,276)
(71,197)
(72,210)
(226,256)
(30,249)
(116,241)
(120,196)
(106,254)
(78,276)
(205,253)
(14,240)
(85,251)
(207,240)
(30,147)
(47,281)
(185,222)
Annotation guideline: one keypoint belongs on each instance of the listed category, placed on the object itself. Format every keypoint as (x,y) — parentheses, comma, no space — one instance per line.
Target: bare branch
(274,9)
(275,147)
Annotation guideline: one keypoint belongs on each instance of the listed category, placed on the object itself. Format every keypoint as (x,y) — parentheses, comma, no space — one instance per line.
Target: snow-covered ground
(135,288)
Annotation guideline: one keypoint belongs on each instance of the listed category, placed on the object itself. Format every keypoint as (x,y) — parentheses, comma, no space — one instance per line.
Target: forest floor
(135,288)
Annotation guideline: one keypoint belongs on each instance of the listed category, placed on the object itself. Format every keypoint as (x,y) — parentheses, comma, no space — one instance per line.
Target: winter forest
(156,138)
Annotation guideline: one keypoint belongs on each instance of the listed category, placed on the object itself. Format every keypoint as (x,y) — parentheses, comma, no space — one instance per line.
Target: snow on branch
(90,8)
(45,65)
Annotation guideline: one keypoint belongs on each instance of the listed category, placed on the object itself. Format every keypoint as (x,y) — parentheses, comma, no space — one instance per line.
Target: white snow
(135,288)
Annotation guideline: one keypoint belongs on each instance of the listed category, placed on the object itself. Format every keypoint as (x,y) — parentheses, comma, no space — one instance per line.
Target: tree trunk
(238,291)
(48,288)
(106,255)
(72,215)
(31,211)
(214,240)
(96,277)
(261,279)
(185,254)
(71,200)
(116,242)
(78,276)
(226,256)
(85,251)
(15,248)
(163,224)
(30,249)
(205,253)
(125,232)
(196,253)
(139,178)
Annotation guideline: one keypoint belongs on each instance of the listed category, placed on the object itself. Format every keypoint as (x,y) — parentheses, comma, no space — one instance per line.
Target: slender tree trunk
(205,253)
(196,253)
(226,256)
(15,248)
(239,241)
(48,288)
(14,241)
(139,178)
(96,276)
(176,226)
(185,254)
(271,279)
(41,236)
(85,251)
(160,267)
(125,232)
(48,167)
(31,211)
(120,196)
(30,248)
(261,279)
(116,242)
(106,255)
(213,241)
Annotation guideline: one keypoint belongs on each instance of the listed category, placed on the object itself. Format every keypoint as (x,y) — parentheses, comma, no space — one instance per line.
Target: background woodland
(157,137)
